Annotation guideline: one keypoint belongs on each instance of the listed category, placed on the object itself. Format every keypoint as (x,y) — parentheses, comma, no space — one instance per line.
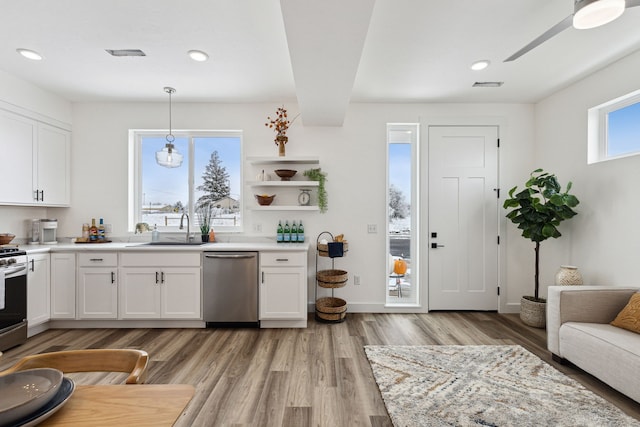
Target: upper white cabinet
(37,160)
(287,192)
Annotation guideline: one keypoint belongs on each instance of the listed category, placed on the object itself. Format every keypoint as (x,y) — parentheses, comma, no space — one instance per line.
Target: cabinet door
(181,293)
(140,291)
(53,166)
(38,290)
(16,143)
(63,285)
(283,293)
(97,293)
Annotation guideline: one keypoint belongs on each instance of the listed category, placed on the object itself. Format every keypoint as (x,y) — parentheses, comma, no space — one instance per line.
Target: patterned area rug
(492,385)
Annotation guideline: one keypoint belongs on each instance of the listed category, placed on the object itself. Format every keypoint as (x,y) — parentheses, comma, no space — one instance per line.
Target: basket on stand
(330,309)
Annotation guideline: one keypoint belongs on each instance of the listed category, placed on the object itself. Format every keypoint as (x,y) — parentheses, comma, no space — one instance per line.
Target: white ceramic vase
(568,275)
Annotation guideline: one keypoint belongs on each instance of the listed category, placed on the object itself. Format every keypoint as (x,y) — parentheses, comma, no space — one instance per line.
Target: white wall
(604,239)
(354,157)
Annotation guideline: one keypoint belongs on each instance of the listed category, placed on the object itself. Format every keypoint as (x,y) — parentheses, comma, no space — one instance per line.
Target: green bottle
(280,233)
(294,233)
(287,232)
(300,232)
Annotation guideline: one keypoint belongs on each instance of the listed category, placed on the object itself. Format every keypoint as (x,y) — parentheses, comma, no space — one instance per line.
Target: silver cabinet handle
(262,281)
(229,256)
(96,259)
(282,259)
(33,265)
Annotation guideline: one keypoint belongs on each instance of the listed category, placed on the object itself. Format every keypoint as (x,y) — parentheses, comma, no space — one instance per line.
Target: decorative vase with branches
(317,175)
(537,210)
(280,124)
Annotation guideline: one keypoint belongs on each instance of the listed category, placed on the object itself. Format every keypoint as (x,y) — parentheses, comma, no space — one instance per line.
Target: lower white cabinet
(63,285)
(38,290)
(283,285)
(160,286)
(98,285)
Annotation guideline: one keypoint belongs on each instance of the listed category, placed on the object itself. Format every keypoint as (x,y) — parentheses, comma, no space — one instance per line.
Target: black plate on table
(64,393)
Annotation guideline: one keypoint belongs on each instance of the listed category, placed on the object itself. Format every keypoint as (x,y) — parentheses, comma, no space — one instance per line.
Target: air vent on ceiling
(488,84)
(126,52)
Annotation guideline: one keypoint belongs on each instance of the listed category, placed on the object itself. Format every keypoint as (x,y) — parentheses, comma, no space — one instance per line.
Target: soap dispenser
(155,234)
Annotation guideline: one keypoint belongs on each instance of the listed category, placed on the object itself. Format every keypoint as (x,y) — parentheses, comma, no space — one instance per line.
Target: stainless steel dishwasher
(230,289)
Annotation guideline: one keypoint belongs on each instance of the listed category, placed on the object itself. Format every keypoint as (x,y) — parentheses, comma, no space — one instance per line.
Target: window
(614,129)
(401,282)
(210,174)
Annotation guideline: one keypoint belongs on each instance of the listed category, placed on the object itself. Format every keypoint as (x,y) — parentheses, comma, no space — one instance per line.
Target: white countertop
(142,246)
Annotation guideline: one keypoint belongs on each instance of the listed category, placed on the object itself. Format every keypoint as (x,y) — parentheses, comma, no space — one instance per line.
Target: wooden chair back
(133,362)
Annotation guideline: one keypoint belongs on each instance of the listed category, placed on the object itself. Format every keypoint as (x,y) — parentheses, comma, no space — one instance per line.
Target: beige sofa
(578,330)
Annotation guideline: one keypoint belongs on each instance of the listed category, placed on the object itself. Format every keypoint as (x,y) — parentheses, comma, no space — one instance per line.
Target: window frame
(134,203)
(598,128)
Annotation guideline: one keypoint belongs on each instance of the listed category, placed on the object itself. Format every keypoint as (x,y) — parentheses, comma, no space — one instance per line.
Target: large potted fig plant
(537,210)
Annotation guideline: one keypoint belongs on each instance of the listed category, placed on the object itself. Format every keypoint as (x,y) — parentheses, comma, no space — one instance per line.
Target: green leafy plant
(538,209)
(204,212)
(321,177)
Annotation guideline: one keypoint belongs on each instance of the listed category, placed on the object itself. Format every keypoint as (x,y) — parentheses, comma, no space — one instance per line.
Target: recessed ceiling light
(198,55)
(31,54)
(488,84)
(480,65)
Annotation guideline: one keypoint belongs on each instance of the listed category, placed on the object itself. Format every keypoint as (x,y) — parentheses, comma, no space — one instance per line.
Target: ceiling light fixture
(198,55)
(480,65)
(31,54)
(594,13)
(169,157)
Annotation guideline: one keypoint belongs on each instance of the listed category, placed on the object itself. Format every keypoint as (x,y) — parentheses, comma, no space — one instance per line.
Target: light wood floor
(296,377)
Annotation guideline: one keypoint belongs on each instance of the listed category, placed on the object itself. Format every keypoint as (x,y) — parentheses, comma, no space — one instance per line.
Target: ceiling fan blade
(560,26)
(632,3)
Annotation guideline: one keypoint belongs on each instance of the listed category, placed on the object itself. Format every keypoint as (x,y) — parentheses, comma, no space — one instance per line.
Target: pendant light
(169,157)
(594,13)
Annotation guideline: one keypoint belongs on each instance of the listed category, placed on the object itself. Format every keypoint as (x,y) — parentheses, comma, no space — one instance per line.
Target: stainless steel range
(13,297)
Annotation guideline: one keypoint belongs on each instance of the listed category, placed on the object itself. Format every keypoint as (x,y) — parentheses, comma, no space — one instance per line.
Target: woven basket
(332,278)
(331,309)
(533,313)
(323,249)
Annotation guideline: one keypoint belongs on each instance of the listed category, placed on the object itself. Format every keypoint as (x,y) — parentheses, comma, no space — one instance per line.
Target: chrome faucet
(182,227)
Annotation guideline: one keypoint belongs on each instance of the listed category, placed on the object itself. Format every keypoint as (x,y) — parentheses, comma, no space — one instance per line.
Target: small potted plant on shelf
(204,212)
(537,210)
(280,123)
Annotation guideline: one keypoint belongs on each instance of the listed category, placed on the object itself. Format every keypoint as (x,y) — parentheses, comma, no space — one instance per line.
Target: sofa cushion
(609,353)
(629,317)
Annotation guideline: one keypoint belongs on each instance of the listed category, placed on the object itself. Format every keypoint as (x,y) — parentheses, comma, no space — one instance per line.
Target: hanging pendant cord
(170,90)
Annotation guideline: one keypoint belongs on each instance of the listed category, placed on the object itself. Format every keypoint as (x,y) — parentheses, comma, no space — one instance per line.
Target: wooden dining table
(123,405)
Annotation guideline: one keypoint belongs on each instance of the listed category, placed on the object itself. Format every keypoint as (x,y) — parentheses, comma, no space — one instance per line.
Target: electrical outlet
(356,280)
(257,228)
(372,228)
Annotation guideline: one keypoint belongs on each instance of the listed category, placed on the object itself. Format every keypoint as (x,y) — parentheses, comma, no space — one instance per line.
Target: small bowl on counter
(264,199)
(6,238)
(285,174)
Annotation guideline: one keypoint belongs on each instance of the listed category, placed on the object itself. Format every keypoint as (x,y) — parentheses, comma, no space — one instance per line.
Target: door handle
(113,277)
(436,246)
(157,278)
(33,265)
(162,277)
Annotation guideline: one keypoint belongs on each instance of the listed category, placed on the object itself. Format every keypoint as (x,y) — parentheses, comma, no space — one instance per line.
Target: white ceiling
(320,54)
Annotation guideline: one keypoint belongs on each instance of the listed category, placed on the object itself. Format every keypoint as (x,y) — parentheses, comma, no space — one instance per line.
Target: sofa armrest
(588,304)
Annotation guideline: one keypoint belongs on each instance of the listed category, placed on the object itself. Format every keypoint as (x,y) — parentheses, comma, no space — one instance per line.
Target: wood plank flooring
(318,376)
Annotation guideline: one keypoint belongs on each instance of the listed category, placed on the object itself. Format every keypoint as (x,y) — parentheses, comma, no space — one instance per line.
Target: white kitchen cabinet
(97,285)
(38,290)
(40,161)
(160,285)
(283,286)
(63,285)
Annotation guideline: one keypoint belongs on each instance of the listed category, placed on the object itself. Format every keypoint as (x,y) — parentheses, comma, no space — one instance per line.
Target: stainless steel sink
(169,243)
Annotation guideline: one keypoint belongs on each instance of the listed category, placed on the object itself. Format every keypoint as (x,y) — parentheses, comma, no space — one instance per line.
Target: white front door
(463,218)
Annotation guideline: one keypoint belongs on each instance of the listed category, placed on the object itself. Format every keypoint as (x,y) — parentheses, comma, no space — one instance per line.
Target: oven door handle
(14,271)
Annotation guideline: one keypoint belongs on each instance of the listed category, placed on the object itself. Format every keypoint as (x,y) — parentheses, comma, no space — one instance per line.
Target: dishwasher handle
(236,256)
